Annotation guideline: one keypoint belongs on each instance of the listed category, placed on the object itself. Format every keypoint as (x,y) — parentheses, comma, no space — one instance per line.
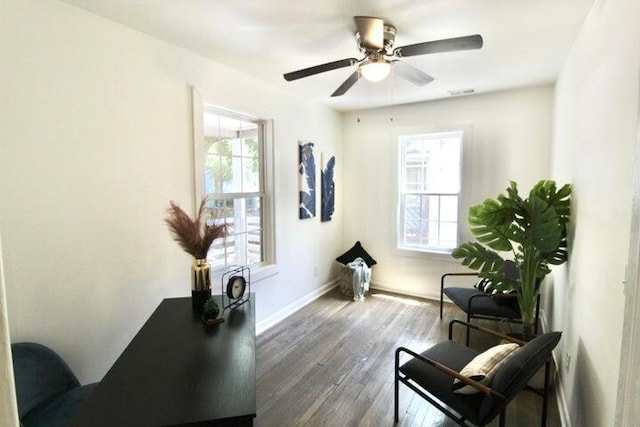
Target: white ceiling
(525,41)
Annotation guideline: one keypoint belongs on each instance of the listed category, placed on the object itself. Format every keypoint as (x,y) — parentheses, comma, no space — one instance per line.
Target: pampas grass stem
(194,236)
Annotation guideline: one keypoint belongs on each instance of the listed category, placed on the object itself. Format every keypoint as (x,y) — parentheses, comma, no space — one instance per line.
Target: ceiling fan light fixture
(375,70)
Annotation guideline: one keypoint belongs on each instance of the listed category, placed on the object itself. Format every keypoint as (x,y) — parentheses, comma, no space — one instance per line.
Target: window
(231,170)
(429,191)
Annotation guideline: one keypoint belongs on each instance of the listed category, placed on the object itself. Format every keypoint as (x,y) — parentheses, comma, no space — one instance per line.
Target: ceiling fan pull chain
(358,97)
(392,82)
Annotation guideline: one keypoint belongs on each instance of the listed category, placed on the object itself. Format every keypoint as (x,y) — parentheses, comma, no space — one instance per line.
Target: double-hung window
(234,182)
(429,191)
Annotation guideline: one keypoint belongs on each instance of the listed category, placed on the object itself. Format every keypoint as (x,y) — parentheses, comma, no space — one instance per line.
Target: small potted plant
(210,312)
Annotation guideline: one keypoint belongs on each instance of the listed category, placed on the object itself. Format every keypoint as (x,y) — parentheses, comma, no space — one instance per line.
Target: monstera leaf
(477,257)
(487,262)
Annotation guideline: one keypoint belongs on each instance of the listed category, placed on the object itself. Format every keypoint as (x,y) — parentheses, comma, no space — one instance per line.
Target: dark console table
(177,372)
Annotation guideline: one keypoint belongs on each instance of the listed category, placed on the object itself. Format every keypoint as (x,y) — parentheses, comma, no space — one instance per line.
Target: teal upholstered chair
(48,393)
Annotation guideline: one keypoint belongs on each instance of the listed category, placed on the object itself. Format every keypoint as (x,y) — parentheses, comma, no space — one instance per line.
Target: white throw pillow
(483,367)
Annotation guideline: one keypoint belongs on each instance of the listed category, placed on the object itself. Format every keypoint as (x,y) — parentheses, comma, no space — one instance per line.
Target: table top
(176,371)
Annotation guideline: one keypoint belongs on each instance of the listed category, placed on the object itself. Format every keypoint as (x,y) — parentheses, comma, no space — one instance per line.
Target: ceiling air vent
(459,92)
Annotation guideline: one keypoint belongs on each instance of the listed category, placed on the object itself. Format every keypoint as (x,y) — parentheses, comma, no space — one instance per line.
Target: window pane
(236,146)
(412,207)
(220,146)
(448,235)
(232,174)
(430,208)
(239,216)
(251,177)
(227,212)
(212,173)
(446,175)
(250,147)
(432,164)
(254,213)
(231,255)
(432,234)
(216,255)
(254,246)
(449,208)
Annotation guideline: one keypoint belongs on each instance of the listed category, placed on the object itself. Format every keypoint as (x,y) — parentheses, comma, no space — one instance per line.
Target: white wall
(596,111)
(510,134)
(96,139)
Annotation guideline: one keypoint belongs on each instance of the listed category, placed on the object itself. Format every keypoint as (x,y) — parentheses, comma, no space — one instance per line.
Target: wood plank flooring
(331,364)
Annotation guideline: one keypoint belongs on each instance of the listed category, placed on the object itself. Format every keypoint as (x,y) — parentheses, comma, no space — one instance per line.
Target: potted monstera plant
(532,231)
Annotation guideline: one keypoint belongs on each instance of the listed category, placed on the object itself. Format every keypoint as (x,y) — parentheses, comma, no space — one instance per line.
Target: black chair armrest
(439,366)
(444,276)
(484,330)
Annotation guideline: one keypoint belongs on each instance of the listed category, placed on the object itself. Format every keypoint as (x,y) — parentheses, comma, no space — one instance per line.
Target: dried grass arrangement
(195,236)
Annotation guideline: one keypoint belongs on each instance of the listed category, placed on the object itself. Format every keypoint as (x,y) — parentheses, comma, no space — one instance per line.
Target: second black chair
(479,304)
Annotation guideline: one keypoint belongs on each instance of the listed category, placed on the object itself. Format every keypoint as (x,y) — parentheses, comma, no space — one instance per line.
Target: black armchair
(431,375)
(47,391)
(482,305)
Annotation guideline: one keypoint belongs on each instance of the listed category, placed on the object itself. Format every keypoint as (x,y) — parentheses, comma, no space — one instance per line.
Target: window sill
(258,273)
(263,272)
(435,255)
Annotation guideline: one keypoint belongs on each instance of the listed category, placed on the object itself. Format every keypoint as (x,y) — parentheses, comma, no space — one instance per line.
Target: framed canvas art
(327,190)
(307,180)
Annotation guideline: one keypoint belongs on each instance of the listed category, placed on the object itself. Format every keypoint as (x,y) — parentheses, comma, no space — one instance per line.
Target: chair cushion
(59,411)
(482,304)
(483,367)
(518,369)
(439,384)
(356,251)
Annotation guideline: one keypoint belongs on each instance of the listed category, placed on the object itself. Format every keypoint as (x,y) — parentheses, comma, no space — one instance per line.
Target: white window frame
(399,245)
(202,101)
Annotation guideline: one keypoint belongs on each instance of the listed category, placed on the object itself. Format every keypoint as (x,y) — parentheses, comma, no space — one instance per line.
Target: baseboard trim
(563,409)
(378,287)
(288,310)
(561,400)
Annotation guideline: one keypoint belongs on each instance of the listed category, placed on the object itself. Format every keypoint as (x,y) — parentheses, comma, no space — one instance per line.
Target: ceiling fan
(375,40)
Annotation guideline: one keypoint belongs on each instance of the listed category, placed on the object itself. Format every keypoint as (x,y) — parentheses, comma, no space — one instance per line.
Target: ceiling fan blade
(411,73)
(438,46)
(344,87)
(371,32)
(306,72)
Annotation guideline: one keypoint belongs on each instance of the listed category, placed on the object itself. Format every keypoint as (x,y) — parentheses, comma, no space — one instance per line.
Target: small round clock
(236,286)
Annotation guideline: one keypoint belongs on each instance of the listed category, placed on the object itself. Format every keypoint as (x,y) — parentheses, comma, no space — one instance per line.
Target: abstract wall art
(307,180)
(327,190)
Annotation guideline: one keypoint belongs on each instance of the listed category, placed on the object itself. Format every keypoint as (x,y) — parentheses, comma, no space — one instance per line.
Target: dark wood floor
(331,364)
